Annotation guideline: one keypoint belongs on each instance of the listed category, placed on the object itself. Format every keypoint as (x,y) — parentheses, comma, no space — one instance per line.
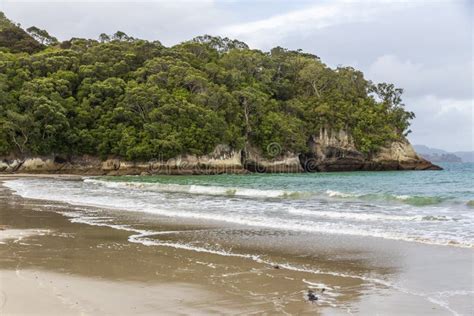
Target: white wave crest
(265,214)
(197,189)
(366,216)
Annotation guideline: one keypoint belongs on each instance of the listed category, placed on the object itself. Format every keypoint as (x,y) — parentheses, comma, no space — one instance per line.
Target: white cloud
(448,79)
(440,96)
(167,21)
(442,123)
(268,32)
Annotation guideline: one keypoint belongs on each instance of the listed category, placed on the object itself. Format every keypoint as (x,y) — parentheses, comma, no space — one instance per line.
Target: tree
(141,99)
(104,38)
(119,96)
(391,98)
(121,36)
(284,130)
(251,102)
(15,39)
(314,76)
(222,45)
(388,94)
(19,128)
(42,36)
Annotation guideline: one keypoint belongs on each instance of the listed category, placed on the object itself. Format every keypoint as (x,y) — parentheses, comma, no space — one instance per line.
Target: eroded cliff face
(403,154)
(254,160)
(332,151)
(327,151)
(336,151)
(222,160)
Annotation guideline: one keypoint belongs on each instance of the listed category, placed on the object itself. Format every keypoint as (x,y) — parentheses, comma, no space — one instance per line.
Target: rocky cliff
(327,151)
(336,151)
(222,160)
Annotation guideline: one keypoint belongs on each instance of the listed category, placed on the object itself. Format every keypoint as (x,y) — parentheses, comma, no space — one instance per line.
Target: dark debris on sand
(311,296)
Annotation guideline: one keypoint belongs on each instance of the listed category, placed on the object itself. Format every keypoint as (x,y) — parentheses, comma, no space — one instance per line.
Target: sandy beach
(236,158)
(61,266)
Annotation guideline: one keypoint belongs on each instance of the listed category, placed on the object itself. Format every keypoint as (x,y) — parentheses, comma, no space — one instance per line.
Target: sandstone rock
(111,165)
(404,156)
(10,165)
(332,151)
(282,162)
(222,160)
(327,151)
(39,164)
(336,151)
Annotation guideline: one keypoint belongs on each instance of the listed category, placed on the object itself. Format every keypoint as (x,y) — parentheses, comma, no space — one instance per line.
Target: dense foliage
(120,96)
(15,38)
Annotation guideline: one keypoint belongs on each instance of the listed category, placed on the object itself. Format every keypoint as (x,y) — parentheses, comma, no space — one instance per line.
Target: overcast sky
(423,47)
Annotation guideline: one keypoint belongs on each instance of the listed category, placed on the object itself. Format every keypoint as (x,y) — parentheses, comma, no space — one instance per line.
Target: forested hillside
(136,99)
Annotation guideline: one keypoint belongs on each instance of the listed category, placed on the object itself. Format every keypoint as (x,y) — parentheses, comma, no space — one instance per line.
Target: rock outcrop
(336,151)
(280,162)
(222,160)
(327,151)
(404,157)
(332,151)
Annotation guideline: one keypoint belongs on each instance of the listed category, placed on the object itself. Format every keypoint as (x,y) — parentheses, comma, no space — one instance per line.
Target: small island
(121,105)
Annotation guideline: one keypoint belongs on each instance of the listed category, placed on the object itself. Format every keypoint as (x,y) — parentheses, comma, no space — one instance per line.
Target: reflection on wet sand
(247,269)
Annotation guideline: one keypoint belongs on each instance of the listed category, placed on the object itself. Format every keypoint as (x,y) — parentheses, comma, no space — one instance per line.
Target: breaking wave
(201,189)
(431,225)
(265,193)
(383,197)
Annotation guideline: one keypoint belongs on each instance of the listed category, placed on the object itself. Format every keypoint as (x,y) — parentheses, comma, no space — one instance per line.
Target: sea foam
(312,215)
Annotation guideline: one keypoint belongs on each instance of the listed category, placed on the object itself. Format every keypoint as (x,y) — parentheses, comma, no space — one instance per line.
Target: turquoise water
(453,185)
(434,207)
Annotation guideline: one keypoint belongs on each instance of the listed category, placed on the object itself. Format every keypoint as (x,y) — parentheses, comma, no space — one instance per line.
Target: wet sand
(65,268)
(39,292)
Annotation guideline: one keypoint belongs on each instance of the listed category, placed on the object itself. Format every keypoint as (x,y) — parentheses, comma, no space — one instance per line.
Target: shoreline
(12,176)
(224,160)
(226,283)
(221,221)
(62,286)
(157,283)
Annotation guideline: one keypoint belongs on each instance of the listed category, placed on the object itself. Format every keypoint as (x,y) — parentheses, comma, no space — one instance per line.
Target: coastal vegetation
(136,99)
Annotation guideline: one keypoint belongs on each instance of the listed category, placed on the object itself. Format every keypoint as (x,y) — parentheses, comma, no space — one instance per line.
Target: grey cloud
(443,123)
(451,80)
(167,21)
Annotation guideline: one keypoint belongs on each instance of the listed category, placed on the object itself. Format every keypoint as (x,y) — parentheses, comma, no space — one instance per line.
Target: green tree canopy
(120,96)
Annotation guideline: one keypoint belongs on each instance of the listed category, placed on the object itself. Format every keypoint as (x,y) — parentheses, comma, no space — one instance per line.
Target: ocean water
(392,240)
(431,207)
